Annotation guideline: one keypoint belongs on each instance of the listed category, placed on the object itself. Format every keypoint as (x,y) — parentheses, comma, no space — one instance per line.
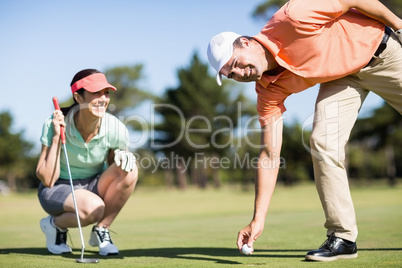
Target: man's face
(244,65)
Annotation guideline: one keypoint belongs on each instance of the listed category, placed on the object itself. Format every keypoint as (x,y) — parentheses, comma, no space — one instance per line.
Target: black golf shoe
(334,248)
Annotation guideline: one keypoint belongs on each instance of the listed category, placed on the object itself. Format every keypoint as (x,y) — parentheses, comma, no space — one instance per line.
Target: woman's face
(97,102)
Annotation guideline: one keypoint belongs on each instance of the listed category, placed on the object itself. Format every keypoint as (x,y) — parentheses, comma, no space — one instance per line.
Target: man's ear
(245,42)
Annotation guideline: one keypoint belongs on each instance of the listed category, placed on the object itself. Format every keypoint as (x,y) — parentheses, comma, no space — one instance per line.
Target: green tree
(381,132)
(198,119)
(15,156)
(266,9)
(129,94)
(297,164)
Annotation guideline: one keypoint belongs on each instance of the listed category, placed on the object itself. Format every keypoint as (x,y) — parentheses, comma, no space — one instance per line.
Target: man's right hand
(249,234)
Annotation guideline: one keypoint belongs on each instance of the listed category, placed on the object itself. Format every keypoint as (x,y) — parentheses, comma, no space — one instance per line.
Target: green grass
(198,228)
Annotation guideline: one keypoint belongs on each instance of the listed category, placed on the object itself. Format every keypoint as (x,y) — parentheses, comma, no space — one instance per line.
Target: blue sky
(44,43)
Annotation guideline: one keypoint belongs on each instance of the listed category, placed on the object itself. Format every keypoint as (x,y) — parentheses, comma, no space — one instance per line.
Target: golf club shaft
(63,140)
(75,202)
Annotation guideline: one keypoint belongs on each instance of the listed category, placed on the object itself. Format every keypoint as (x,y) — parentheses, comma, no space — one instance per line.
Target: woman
(103,171)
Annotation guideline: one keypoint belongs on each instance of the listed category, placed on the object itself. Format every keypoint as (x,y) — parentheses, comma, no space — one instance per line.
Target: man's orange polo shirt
(316,44)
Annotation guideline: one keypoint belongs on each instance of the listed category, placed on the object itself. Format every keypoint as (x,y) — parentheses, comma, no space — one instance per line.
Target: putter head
(86,260)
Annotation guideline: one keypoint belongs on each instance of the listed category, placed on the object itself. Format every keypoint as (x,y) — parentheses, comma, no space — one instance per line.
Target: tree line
(205,134)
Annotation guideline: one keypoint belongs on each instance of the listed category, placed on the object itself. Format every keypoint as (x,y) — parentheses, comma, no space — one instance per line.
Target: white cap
(220,50)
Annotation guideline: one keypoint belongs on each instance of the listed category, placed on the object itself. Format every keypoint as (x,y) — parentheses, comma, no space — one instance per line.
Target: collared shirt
(316,44)
(87,159)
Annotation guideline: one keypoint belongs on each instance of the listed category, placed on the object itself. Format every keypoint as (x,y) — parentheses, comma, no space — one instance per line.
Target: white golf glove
(124,159)
(399,34)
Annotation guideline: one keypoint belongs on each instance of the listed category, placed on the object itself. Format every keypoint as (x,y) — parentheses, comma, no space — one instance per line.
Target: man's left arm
(374,9)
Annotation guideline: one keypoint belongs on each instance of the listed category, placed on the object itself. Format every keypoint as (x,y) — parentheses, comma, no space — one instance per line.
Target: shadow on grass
(216,255)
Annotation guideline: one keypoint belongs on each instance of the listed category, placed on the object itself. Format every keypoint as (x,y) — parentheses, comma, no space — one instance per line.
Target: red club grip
(62,134)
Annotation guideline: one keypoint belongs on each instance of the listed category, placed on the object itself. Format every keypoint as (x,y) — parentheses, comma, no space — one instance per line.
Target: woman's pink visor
(92,83)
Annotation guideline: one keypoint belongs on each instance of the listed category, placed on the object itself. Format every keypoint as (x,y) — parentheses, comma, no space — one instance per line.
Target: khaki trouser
(337,107)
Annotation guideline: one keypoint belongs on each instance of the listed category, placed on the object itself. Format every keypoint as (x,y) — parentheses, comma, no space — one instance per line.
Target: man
(344,46)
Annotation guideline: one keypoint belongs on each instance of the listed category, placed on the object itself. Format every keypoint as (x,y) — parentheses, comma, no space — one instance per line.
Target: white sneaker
(56,239)
(101,237)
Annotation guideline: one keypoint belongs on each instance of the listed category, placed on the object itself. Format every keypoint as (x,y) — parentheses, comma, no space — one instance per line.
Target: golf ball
(246,249)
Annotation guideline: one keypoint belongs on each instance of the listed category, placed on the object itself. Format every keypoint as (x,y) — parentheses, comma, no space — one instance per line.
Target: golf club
(63,141)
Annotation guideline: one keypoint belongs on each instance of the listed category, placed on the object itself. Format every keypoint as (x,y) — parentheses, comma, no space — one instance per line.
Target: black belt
(384,41)
(383,45)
